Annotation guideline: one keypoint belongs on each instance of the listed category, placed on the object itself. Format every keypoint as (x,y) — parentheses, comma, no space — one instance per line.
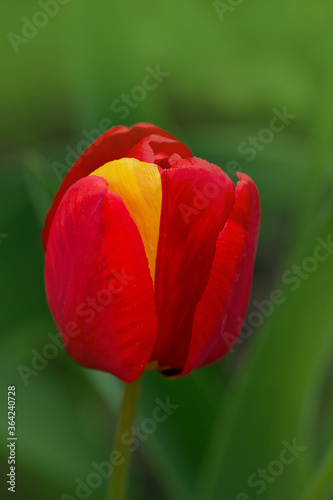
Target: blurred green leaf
(282,380)
(322,483)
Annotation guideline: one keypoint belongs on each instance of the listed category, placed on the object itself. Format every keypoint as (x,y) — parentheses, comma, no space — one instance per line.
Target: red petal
(197,200)
(98,281)
(158,150)
(112,145)
(220,312)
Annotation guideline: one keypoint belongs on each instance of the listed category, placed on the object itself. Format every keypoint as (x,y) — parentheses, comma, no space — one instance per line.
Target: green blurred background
(226,67)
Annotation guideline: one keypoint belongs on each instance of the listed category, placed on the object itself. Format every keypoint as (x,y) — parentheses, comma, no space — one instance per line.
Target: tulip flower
(149,255)
(149,262)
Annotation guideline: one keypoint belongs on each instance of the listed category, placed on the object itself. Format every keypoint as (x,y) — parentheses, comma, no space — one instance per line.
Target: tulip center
(139,185)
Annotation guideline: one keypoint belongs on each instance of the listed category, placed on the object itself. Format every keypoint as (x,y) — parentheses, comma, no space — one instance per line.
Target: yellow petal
(139,185)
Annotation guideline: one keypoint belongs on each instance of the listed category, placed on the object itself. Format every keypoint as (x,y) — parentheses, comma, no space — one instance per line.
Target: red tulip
(149,255)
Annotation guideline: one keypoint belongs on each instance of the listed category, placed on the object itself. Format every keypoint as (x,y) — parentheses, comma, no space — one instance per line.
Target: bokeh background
(226,66)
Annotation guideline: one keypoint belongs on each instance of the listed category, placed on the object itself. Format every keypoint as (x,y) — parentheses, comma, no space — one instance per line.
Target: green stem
(117,487)
(322,484)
